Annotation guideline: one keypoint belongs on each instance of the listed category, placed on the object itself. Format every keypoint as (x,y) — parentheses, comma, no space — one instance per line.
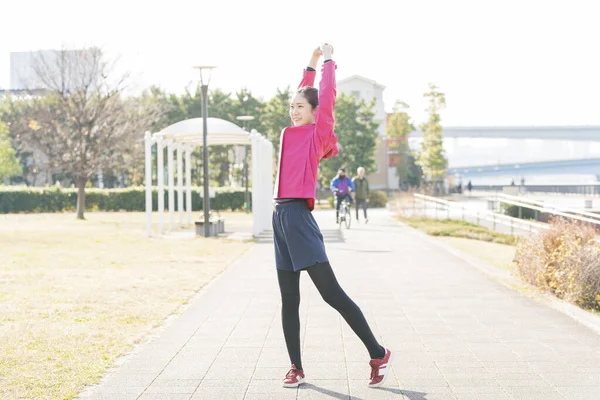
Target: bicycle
(345,215)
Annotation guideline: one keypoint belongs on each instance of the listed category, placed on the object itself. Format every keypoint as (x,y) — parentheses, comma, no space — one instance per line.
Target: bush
(377,198)
(17,199)
(457,228)
(564,260)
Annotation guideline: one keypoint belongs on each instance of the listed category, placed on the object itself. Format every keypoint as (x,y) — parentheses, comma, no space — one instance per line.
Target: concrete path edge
(583,317)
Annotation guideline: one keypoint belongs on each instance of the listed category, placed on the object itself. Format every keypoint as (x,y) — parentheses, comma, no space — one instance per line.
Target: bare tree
(83,123)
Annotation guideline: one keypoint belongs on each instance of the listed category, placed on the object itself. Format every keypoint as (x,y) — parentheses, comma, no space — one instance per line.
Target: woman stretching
(298,240)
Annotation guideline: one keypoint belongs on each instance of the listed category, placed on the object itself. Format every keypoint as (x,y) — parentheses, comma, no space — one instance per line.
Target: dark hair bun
(311,95)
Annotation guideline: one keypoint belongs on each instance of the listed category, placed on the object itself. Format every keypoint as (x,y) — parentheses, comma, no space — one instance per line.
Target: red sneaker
(293,378)
(380,369)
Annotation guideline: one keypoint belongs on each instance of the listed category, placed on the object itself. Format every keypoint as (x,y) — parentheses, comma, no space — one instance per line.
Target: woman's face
(301,111)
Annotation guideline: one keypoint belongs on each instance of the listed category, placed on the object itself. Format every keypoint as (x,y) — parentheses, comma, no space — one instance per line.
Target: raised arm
(324,120)
(308,77)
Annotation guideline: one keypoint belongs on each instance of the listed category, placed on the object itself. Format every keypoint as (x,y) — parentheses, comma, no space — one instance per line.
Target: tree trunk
(81,181)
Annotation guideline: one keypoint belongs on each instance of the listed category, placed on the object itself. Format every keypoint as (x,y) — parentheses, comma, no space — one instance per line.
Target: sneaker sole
(389,364)
(294,385)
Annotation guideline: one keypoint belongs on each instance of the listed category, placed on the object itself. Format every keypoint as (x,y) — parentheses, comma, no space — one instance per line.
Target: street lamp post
(206,199)
(246,118)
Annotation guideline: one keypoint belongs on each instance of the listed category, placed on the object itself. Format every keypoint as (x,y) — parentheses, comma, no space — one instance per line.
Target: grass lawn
(455,228)
(75,295)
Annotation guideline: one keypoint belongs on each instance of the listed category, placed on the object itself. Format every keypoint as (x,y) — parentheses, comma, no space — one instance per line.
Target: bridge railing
(565,212)
(444,209)
(591,189)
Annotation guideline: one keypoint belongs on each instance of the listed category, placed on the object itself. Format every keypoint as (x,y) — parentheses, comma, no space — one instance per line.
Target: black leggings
(324,279)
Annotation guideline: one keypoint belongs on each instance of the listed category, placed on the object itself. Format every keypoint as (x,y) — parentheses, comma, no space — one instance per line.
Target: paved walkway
(457,333)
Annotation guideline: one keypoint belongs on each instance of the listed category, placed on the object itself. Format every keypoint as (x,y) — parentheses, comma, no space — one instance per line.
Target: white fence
(432,207)
(582,216)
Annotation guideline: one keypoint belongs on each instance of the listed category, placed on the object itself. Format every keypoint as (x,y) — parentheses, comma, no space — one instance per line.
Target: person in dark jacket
(361,185)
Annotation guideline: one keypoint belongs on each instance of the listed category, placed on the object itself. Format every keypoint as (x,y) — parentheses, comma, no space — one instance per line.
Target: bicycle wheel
(347,217)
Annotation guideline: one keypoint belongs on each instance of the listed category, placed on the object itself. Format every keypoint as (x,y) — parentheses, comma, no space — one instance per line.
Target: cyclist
(341,186)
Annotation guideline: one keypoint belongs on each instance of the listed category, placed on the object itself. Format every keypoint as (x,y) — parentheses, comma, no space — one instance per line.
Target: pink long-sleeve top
(302,147)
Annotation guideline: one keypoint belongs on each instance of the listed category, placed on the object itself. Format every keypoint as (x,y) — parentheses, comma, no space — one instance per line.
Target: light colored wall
(367,90)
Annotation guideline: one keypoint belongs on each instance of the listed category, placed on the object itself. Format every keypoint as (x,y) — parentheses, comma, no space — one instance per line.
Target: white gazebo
(185,135)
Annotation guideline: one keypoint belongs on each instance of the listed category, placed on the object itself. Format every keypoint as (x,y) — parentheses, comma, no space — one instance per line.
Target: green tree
(189,105)
(357,138)
(276,116)
(220,105)
(397,130)
(246,104)
(9,164)
(228,107)
(11,113)
(431,158)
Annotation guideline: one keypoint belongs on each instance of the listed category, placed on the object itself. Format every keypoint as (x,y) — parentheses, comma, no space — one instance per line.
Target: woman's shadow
(343,396)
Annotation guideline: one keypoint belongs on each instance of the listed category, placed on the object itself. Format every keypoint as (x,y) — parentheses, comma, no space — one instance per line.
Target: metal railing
(449,207)
(541,207)
(558,190)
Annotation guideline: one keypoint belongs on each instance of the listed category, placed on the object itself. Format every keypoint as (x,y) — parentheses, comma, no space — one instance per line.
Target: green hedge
(19,199)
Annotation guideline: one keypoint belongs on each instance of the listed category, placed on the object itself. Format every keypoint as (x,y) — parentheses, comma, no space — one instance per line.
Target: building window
(356,94)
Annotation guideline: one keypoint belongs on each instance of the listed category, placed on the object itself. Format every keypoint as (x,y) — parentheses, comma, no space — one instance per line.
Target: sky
(524,62)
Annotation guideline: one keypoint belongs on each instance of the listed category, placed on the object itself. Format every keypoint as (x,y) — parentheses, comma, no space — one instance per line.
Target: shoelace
(374,371)
(291,373)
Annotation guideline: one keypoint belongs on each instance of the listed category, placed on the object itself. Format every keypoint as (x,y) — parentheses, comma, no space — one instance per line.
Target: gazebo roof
(220,132)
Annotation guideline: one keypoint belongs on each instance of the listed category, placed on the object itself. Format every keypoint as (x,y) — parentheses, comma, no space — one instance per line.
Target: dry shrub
(563,260)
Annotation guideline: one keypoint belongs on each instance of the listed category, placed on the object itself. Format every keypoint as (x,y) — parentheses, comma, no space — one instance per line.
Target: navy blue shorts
(298,239)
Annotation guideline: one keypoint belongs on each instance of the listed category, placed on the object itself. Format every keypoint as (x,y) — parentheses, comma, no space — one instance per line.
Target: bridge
(579,133)
(590,166)
(562,153)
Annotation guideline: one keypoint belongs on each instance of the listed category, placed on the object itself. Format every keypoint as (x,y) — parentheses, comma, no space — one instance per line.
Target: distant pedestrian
(361,185)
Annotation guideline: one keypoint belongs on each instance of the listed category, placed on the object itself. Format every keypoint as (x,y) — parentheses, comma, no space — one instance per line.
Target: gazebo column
(256,195)
(180,182)
(268,172)
(268,176)
(188,182)
(160,175)
(263,183)
(171,184)
(148,172)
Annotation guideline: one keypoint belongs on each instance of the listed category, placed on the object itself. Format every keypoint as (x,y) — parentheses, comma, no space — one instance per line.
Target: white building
(22,72)
(71,68)
(384,176)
